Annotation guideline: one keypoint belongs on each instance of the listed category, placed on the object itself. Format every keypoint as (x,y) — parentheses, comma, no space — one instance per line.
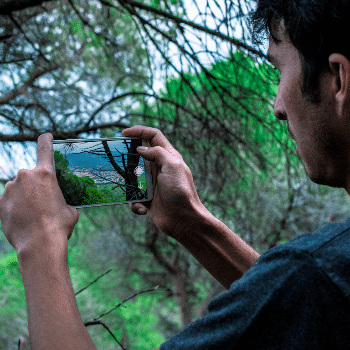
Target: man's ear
(340,69)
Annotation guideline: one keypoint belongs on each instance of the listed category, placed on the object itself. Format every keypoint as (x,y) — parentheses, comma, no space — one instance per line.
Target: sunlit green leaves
(77,26)
(155,3)
(141,323)
(9,260)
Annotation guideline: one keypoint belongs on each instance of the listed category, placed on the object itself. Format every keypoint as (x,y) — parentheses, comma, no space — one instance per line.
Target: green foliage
(80,190)
(11,285)
(155,3)
(94,196)
(73,252)
(202,293)
(73,188)
(76,190)
(141,323)
(77,26)
(9,260)
(108,132)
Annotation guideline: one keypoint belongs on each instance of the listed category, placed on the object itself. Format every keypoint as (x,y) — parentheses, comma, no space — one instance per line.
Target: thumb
(143,150)
(138,208)
(155,154)
(146,153)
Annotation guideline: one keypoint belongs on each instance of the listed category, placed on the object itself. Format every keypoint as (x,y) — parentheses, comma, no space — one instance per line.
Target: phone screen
(97,172)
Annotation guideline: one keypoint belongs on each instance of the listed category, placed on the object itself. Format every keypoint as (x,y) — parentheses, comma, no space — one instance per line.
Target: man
(295,296)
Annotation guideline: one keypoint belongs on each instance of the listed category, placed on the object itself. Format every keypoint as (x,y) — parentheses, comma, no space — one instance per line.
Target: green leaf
(77,26)
(155,3)
(9,260)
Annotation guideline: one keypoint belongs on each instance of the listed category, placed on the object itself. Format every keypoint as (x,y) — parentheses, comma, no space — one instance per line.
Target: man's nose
(279,109)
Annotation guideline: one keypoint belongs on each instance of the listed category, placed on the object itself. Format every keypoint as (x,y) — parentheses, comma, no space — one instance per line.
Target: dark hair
(317,28)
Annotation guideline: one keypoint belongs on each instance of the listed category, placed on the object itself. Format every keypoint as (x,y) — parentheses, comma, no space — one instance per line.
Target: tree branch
(35,74)
(151,238)
(9,6)
(178,20)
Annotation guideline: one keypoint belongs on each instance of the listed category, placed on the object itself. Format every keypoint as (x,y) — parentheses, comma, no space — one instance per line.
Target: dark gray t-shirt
(295,296)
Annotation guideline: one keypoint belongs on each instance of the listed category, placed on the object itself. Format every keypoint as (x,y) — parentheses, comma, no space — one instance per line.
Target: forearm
(218,249)
(54,320)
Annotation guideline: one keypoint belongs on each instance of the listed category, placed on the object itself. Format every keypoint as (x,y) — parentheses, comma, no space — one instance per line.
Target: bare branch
(91,323)
(37,72)
(94,281)
(178,20)
(9,6)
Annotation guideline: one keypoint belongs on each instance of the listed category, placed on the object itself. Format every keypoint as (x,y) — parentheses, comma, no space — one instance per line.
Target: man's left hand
(33,212)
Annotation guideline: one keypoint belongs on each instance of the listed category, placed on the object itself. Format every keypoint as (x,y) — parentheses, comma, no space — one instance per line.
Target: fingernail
(142,148)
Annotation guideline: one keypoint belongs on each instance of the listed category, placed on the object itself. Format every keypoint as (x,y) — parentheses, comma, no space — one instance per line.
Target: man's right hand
(175,200)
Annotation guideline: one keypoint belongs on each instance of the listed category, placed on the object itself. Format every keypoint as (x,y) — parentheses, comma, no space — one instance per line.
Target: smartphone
(98,172)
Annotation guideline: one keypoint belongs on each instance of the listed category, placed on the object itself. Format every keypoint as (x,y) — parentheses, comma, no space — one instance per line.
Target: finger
(156,154)
(154,136)
(44,152)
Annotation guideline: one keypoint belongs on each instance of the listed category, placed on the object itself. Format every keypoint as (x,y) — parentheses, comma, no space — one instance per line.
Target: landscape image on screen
(97,172)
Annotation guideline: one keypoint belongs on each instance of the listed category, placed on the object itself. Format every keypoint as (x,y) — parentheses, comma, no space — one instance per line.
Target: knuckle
(8,184)
(176,161)
(157,132)
(75,214)
(158,148)
(46,173)
(179,163)
(178,155)
(22,173)
(71,215)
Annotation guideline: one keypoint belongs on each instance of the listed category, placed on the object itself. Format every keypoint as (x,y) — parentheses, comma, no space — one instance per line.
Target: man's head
(310,44)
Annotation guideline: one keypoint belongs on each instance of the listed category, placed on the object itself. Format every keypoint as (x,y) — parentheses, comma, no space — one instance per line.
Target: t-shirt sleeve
(284,301)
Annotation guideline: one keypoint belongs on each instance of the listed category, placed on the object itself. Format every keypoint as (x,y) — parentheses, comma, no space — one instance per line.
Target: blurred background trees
(85,69)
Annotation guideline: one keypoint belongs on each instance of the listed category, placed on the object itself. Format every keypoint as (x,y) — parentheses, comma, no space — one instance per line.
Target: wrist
(44,249)
(54,320)
(199,217)
(217,248)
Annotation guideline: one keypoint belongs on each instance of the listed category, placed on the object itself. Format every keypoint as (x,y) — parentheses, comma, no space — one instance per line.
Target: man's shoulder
(321,255)
(326,248)
(329,233)
(284,296)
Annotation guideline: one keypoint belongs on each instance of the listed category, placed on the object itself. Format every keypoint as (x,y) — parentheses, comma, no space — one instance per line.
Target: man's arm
(178,212)
(218,249)
(38,223)
(54,321)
